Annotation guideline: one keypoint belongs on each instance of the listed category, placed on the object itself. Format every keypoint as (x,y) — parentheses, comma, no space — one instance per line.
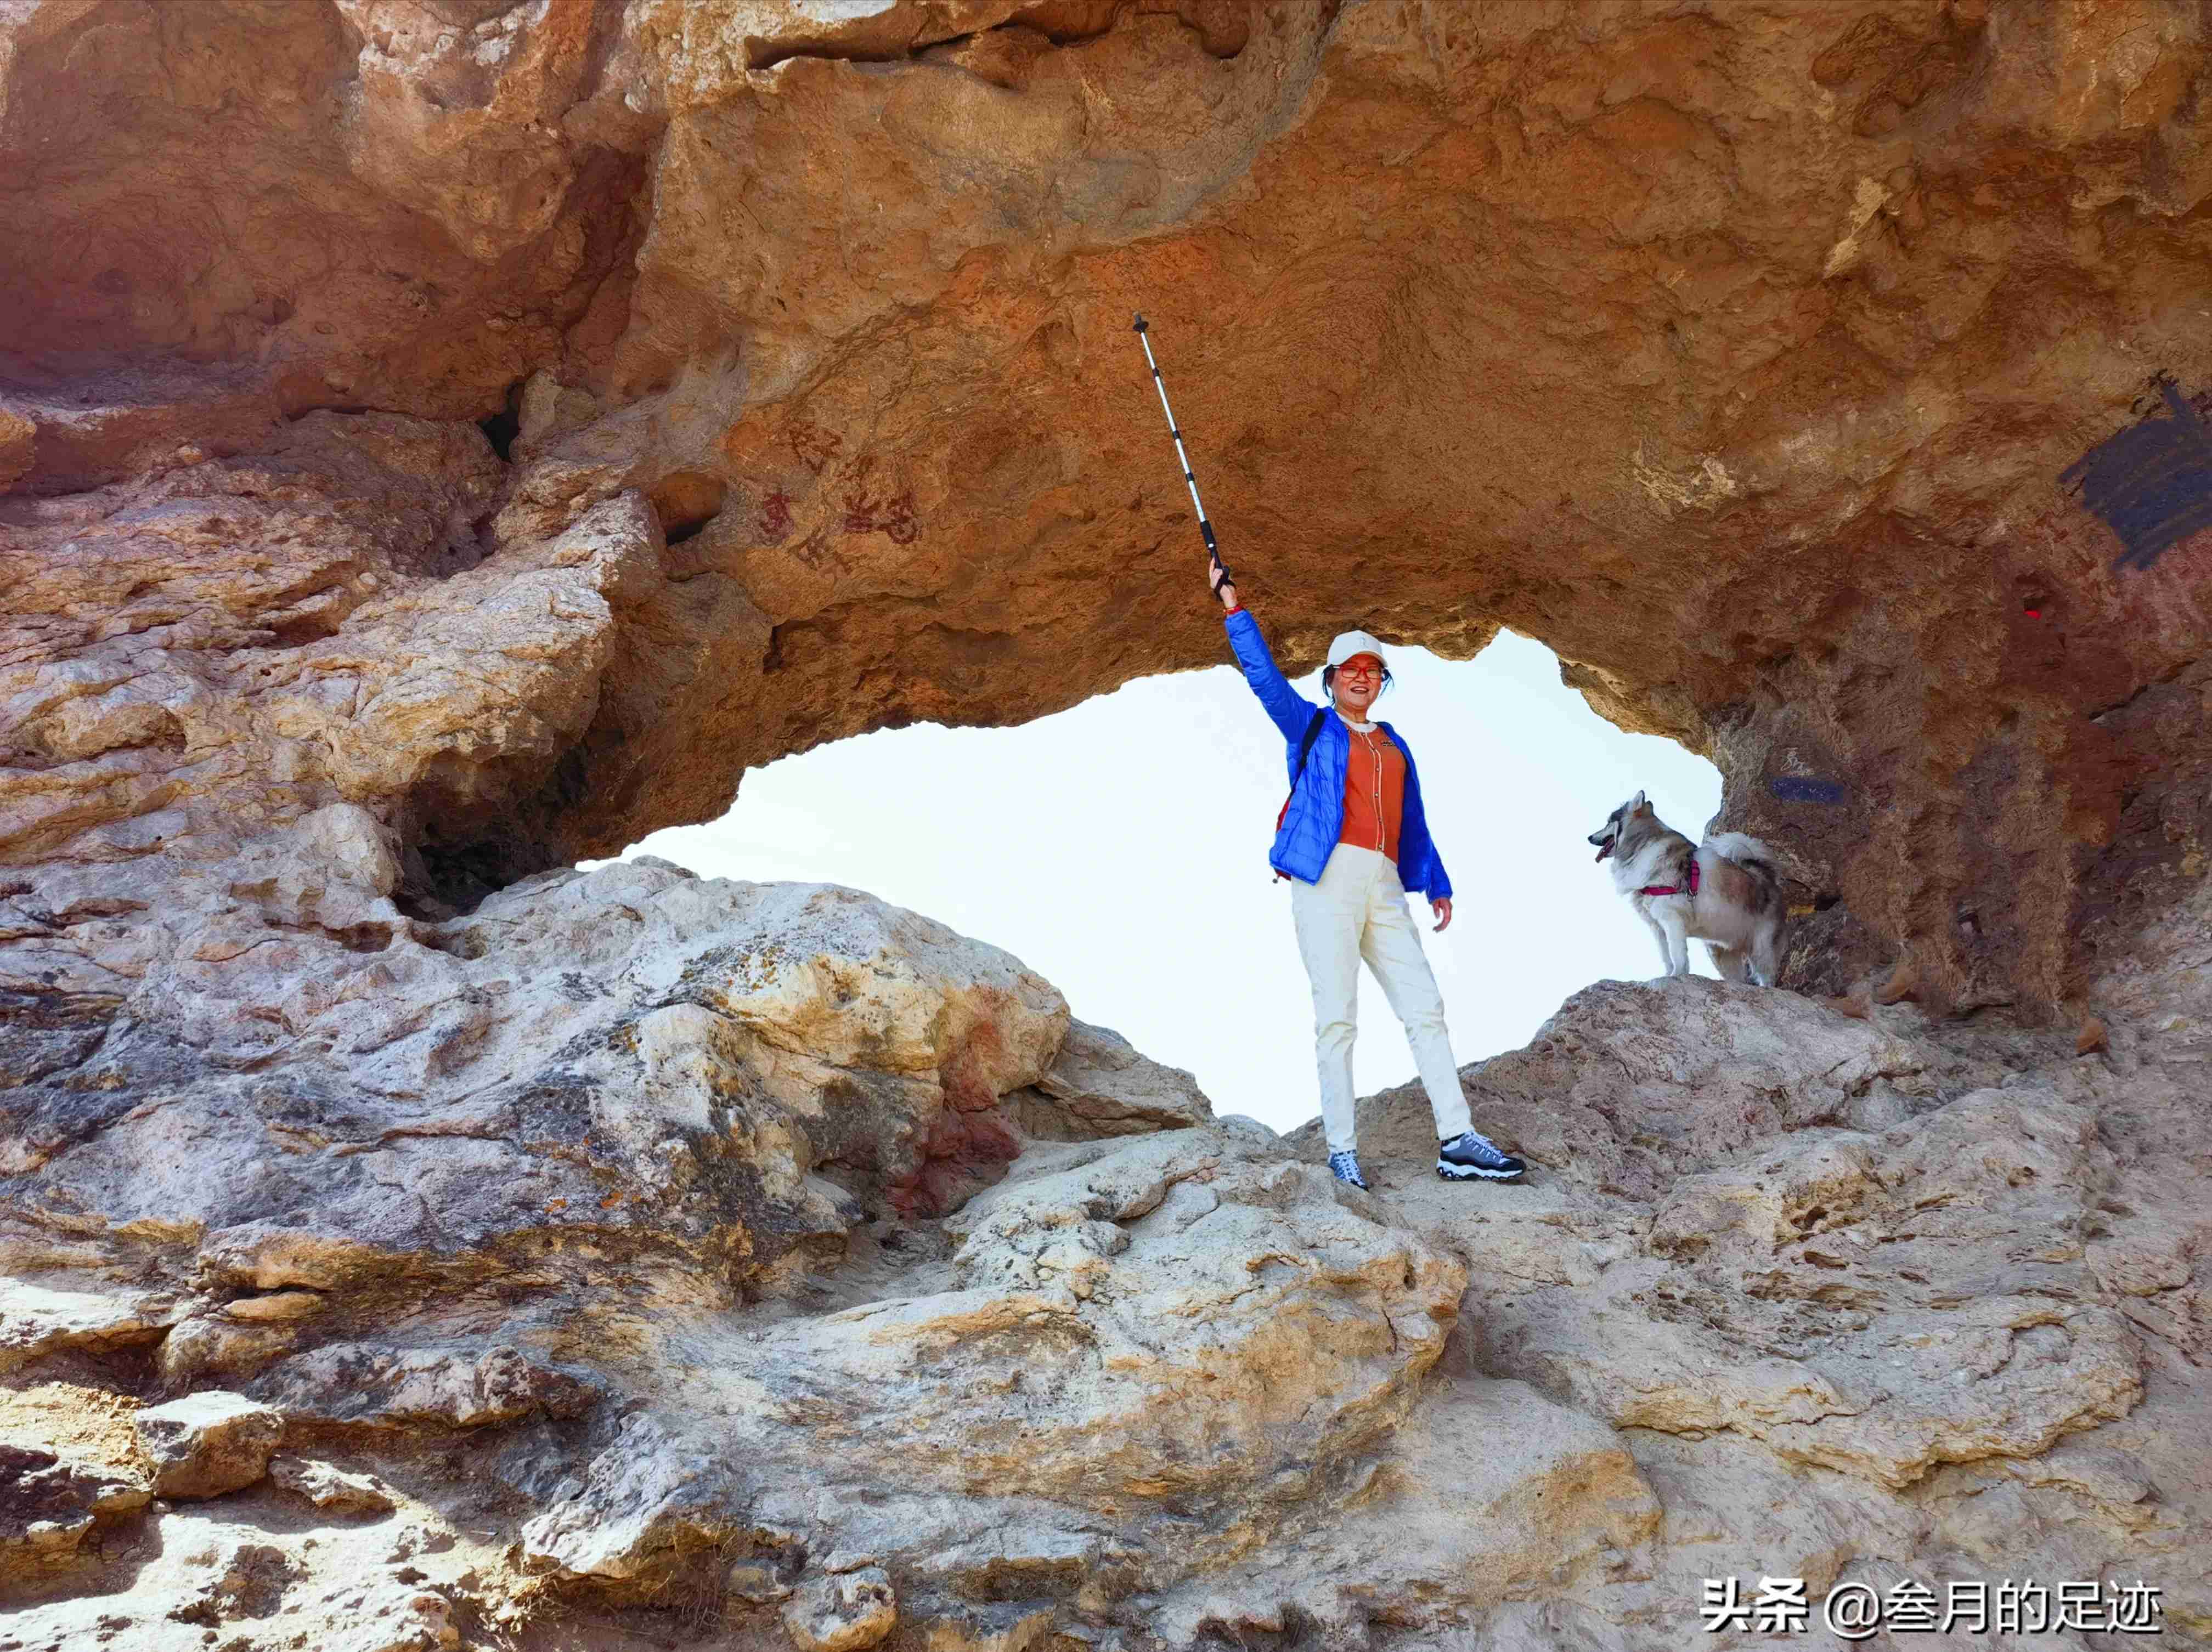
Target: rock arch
(1737,366)
(1737,358)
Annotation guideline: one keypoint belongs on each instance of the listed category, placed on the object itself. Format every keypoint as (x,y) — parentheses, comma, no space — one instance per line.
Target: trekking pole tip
(1139,323)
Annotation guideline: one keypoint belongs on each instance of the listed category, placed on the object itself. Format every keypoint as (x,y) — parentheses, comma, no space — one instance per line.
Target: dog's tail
(1747,851)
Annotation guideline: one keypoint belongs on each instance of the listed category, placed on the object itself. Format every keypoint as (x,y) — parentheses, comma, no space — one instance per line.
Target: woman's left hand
(1443,909)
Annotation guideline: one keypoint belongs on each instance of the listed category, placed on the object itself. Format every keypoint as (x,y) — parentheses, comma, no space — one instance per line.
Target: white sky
(1119,850)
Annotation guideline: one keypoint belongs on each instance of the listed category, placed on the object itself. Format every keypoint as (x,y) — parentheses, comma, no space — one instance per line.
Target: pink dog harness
(1674,889)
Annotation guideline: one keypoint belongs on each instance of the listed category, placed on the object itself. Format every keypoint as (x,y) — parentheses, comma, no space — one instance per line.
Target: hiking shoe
(1344,1166)
(1471,1153)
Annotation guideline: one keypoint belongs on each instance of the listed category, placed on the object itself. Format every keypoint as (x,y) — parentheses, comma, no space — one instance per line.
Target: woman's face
(1357,681)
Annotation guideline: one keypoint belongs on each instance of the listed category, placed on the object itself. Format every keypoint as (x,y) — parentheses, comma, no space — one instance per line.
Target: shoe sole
(1472,1173)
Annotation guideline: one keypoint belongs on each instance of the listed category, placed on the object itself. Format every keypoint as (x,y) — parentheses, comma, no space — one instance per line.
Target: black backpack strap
(1305,750)
(1306,746)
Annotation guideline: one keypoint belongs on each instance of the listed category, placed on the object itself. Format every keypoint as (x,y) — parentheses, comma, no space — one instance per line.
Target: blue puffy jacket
(1315,820)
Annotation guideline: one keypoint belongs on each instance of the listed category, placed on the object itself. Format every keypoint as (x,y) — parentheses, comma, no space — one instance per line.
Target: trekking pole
(1212,550)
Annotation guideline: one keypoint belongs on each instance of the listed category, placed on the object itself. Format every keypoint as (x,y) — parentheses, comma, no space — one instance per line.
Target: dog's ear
(1636,804)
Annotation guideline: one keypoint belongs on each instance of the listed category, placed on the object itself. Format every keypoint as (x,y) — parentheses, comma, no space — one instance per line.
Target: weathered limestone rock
(69,1462)
(843,1612)
(1793,1278)
(1011,1626)
(1788,1291)
(36,1321)
(422,1389)
(206,1444)
(277,1308)
(49,1501)
(632,1059)
(1099,1086)
(327,1487)
(1490,1493)
(1046,1367)
(758,1582)
(1826,1274)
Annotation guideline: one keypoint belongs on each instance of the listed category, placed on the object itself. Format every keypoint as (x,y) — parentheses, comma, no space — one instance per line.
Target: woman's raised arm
(1283,705)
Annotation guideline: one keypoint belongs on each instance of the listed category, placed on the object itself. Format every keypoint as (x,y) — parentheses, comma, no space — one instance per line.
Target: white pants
(1357,910)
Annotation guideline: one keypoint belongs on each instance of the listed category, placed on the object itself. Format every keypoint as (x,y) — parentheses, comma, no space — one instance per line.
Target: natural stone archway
(440,439)
(1734,358)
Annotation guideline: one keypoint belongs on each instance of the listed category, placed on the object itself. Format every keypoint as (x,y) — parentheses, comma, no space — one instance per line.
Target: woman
(1352,839)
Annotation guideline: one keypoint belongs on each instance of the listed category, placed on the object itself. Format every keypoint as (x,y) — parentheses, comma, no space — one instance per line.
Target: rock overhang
(1738,367)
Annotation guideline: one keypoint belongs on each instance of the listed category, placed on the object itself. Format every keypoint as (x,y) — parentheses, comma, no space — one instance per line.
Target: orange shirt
(1373,792)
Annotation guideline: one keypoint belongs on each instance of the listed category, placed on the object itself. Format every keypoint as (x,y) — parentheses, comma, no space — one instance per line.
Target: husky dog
(1725,893)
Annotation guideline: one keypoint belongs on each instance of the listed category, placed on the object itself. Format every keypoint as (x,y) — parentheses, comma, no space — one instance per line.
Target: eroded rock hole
(686,502)
(444,879)
(472,834)
(1074,840)
(767,54)
(503,427)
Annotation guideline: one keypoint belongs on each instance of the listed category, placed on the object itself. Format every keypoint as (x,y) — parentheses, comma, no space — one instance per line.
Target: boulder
(36,1319)
(49,1501)
(1146,1322)
(1099,1086)
(200,1346)
(206,1444)
(68,1461)
(842,1611)
(422,1389)
(734,1073)
(327,1487)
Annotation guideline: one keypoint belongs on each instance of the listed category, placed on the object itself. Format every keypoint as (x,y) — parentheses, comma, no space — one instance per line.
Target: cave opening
(1119,849)
(502,428)
(686,502)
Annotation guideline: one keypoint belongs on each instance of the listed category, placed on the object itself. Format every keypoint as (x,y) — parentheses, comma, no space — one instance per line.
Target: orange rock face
(1734,356)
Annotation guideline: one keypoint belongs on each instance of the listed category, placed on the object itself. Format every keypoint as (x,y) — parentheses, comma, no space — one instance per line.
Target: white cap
(1349,643)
